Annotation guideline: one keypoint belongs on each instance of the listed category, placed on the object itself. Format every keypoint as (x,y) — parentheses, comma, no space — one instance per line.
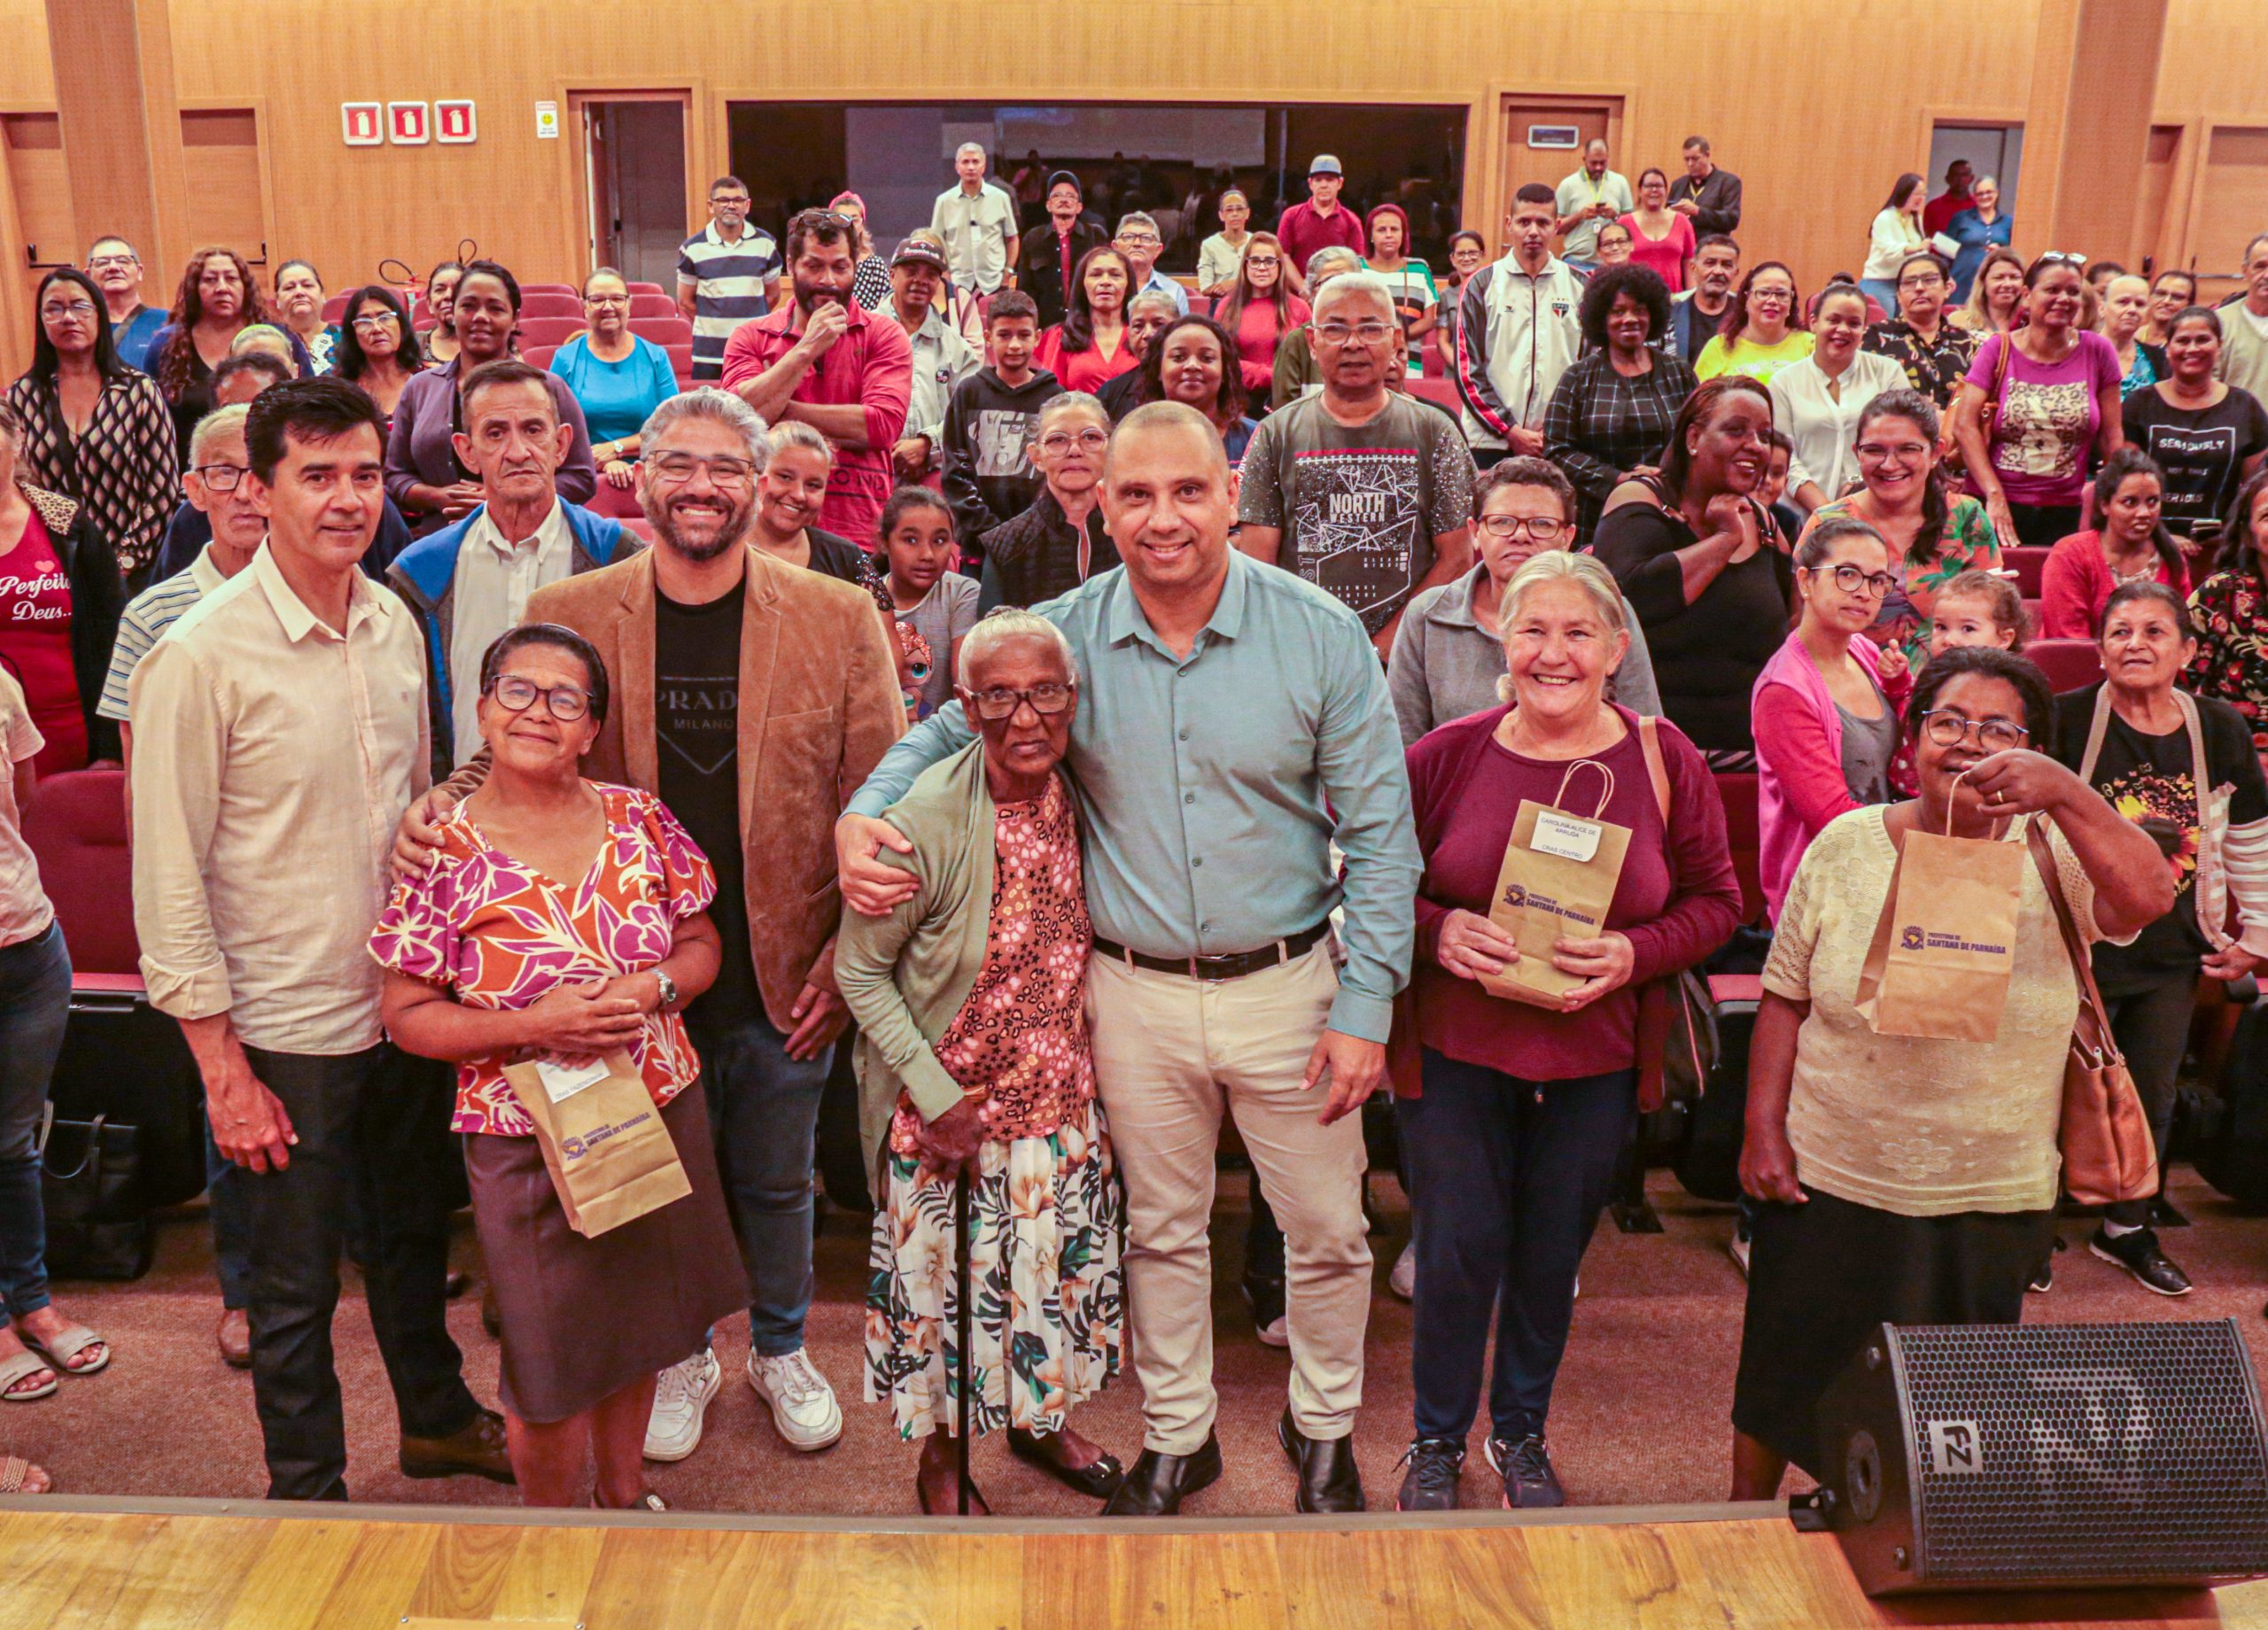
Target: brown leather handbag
(2105,1133)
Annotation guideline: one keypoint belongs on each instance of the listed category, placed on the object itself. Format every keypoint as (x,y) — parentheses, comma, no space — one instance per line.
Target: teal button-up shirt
(1212,786)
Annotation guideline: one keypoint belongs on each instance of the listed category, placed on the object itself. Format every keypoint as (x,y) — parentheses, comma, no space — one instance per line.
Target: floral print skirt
(1049,1221)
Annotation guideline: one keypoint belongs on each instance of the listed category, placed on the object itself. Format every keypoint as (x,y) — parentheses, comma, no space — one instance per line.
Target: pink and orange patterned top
(502,935)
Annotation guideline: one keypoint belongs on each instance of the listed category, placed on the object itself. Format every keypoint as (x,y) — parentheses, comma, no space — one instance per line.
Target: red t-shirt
(35,645)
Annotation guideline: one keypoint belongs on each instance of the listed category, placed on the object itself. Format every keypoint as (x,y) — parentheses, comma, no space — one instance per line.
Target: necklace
(2147,569)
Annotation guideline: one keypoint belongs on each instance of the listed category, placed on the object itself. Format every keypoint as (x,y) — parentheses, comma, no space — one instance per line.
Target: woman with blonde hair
(1995,294)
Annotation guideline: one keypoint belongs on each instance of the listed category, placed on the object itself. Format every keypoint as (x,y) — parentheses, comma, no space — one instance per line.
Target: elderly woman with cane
(973,1064)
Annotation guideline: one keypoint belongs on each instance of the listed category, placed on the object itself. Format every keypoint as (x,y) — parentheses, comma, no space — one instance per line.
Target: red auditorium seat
(668,329)
(545,303)
(569,290)
(2070,664)
(76,825)
(547,331)
(647,288)
(2027,562)
(334,309)
(655,305)
(1442,391)
(539,356)
(1743,837)
(681,361)
(621,502)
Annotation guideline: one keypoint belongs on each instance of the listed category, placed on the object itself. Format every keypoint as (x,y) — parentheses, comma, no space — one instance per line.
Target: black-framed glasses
(606,299)
(1541,528)
(1852,580)
(565,703)
(999,702)
(1994,735)
(219,477)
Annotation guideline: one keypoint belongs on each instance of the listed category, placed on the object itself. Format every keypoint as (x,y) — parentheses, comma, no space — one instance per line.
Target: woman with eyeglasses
(1818,401)
(1061,541)
(1448,652)
(1982,231)
(2173,292)
(1614,244)
(1089,348)
(1260,310)
(2129,736)
(440,342)
(1826,707)
(1660,237)
(2129,543)
(975,1066)
(488,963)
(1764,329)
(1922,338)
(1468,253)
(1610,412)
(95,431)
(376,348)
(1904,1178)
(2039,406)
(619,378)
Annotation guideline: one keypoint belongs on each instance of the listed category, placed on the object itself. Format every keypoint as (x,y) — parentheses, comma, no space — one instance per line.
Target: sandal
(16,1367)
(647,1500)
(67,1344)
(14,1470)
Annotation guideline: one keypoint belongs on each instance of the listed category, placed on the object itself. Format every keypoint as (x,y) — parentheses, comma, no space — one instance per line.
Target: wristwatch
(669,988)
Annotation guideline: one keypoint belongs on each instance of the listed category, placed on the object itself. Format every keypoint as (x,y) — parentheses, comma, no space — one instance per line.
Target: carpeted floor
(1640,1415)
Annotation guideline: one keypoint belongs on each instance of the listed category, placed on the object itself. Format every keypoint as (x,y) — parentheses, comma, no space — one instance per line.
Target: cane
(962,1322)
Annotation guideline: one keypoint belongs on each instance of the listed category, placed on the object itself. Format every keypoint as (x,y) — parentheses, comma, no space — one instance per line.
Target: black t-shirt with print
(696,716)
(2201,450)
(2146,778)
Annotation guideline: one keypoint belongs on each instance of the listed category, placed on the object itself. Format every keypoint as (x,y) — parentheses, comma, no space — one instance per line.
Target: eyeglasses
(1140,240)
(1542,528)
(1994,735)
(998,703)
(219,478)
(1778,297)
(375,319)
(67,308)
(1875,452)
(1922,280)
(1059,442)
(99,263)
(679,468)
(726,201)
(606,299)
(1852,580)
(1263,261)
(565,703)
(1340,333)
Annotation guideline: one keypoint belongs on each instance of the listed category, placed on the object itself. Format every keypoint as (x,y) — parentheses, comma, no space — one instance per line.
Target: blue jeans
(1884,293)
(1508,1179)
(35,1006)
(763,1112)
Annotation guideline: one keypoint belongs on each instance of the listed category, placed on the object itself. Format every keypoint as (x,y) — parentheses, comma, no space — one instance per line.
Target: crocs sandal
(15,1367)
(67,1344)
(14,1470)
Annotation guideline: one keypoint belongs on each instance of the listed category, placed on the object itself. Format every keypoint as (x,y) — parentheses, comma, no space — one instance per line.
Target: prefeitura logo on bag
(1518,896)
(1913,938)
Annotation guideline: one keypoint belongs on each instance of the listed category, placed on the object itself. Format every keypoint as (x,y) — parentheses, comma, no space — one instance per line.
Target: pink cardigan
(1799,783)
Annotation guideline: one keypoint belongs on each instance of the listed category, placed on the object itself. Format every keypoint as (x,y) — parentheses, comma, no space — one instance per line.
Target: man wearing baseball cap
(942,358)
(1308,227)
(1049,255)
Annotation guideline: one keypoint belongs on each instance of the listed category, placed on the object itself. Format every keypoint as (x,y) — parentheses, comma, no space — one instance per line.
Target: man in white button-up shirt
(282,730)
(978,222)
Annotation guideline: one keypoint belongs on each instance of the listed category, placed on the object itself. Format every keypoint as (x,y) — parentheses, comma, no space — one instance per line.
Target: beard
(698,542)
(811,297)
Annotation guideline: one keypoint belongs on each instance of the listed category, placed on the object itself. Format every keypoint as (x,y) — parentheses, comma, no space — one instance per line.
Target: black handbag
(90,1184)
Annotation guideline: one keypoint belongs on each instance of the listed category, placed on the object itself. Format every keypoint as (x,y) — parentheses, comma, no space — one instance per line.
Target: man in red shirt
(1308,227)
(822,360)
(1939,210)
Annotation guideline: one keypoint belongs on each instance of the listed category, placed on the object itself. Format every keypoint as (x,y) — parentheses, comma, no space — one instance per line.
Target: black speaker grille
(2087,1452)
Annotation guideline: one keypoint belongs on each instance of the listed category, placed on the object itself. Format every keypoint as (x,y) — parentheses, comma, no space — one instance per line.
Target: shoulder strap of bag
(1650,742)
(2097,728)
(2210,887)
(2091,1036)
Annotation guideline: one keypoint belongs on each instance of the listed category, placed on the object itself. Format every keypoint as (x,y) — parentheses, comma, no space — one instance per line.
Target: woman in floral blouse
(2230,610)
(1936,534)
(564,920)
(974,1056)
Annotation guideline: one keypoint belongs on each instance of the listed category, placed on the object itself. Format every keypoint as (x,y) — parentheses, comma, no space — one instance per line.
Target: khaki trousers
(1170,1051)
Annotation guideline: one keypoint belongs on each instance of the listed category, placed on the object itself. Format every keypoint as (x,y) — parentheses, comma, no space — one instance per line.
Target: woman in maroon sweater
(1511,1144)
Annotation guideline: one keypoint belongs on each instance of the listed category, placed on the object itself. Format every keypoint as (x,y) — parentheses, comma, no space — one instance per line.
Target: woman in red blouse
(1090,347)
(563,920)
(1512,1145)
(2129,543)
(1259,311)
(60,596)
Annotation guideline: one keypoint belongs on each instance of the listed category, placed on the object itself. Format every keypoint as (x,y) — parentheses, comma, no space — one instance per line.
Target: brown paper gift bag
(1944,948)
(1557,882)
(611,1159)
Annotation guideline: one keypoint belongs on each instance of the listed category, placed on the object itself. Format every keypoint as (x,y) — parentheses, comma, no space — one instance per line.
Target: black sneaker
(1431,1484)
(2138,1255)
(2164,1213)
(1526,1466)
(1265,1297)
(2043,1277)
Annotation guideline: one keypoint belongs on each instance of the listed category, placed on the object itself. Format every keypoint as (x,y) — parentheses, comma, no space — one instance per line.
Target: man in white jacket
(1517,332)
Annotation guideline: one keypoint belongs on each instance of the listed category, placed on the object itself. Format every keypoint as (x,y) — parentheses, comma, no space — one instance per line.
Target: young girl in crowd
(934,604)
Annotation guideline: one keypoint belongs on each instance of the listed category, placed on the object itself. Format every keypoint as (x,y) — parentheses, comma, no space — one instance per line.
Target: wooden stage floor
(84,1562)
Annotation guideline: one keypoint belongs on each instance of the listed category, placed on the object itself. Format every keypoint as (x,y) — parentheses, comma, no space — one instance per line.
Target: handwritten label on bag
(1569,837)
(562,1082)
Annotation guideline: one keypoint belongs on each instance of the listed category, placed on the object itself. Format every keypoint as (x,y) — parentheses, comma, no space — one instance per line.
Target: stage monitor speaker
(2043,1456)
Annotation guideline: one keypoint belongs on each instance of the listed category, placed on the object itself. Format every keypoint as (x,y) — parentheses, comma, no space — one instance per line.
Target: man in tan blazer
(754,697)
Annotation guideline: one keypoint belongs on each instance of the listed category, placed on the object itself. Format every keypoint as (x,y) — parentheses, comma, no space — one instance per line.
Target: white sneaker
(681,1396)
(803,1404)
(1737,1247)
(1403,1280)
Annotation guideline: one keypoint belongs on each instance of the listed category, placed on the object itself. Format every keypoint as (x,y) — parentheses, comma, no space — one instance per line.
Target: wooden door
(42,188)
(2236,184)
(1544,138)
(227,192)
(2157,232)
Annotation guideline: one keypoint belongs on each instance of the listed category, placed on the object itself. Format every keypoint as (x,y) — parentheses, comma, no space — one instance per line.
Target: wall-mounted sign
(1554,136)
(547,121)
(363,123)
(408,125)
(453,122)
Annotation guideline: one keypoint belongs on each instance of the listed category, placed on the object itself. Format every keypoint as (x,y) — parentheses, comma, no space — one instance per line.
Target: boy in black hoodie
(989,474)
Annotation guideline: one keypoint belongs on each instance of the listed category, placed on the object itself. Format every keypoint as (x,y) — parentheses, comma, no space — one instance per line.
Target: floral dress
(2232,660)
(1045,1211)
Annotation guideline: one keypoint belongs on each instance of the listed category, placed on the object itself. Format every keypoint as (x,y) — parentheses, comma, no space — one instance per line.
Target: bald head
(1168,419)
(1168,499)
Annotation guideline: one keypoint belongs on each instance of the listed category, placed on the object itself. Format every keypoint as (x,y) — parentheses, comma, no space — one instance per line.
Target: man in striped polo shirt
(726,273)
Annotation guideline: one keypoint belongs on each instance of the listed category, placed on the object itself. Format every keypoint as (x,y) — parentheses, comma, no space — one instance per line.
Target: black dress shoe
(2137,1252)
(1159,1483)
(477,1450)
(1098,1481)
(1328,1480)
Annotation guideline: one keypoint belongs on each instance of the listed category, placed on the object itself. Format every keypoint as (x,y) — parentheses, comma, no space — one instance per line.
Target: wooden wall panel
(41,185)
(221,148)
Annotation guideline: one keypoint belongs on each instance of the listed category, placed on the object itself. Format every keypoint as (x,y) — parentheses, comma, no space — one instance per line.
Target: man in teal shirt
(1232,724)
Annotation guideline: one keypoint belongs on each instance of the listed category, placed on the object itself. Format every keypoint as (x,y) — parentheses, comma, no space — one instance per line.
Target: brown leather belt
(1235,965)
